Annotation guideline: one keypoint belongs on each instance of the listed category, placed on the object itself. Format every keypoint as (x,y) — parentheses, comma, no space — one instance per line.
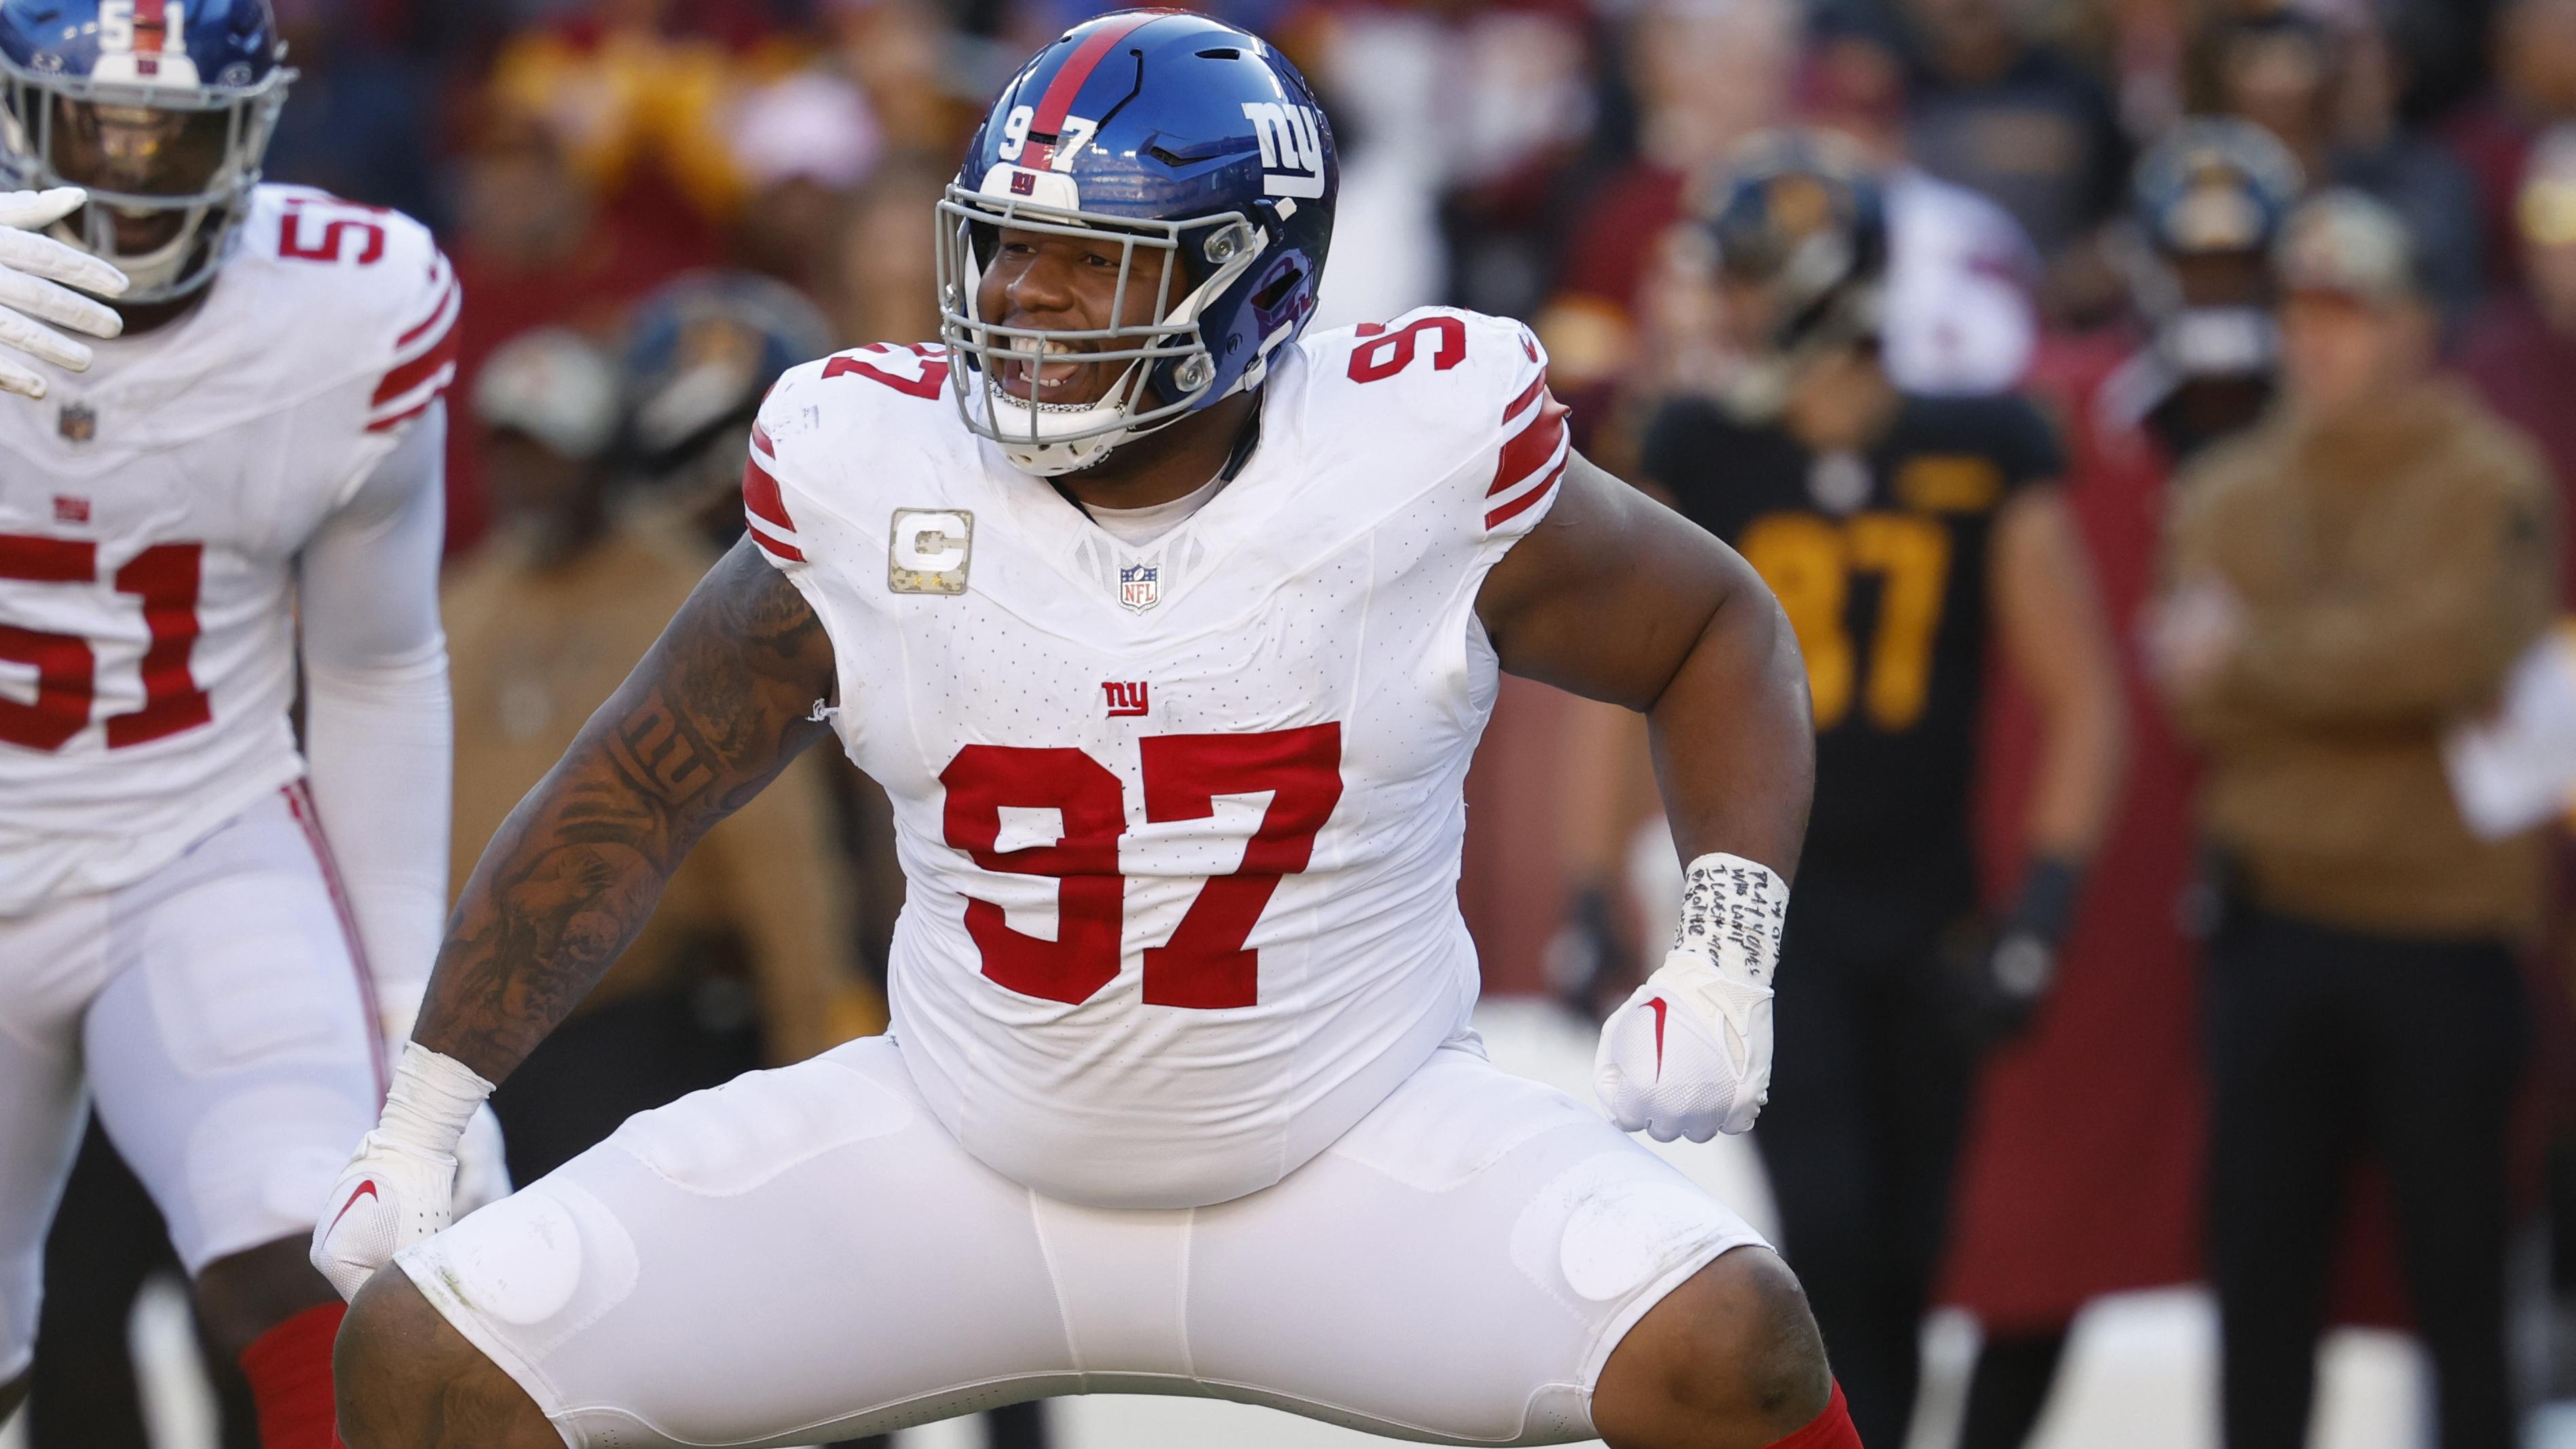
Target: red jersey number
(165,579)
(933,377)
(1388,353)
(1205,964)
(327,233)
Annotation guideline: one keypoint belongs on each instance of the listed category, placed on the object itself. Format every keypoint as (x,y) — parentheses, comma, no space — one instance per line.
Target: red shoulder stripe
(1537,385)
(440,310)
(1522,504)
(389,423)
(760,494)
(406,376)
(774,548)
(1531,447)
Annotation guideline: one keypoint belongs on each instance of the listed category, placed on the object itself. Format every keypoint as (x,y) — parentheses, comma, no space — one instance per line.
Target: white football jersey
(1180,823)
(150,514)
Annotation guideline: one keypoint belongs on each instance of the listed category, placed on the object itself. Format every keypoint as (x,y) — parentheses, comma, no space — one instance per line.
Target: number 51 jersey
(1180,823)
(150,513)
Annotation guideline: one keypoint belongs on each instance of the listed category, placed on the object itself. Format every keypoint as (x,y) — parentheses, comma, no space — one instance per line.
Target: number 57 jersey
(1180,822)
(151,511)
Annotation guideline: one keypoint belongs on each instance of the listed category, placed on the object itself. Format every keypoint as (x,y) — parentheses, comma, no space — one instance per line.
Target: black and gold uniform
(1881,560)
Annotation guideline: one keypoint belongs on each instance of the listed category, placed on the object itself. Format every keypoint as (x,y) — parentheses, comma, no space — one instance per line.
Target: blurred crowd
(655,205)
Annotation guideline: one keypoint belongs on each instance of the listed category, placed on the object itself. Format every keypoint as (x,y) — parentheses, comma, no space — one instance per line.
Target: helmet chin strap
(1029,449)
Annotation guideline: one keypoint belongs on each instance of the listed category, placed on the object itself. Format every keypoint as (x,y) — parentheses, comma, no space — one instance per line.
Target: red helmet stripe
(149,18)
(1057,103)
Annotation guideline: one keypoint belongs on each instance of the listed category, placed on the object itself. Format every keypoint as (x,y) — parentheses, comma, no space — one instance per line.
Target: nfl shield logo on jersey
(78,422)
(1140,586)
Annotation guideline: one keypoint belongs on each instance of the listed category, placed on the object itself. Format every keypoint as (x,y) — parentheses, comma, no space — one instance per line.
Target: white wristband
(432,1098)
(1732,912)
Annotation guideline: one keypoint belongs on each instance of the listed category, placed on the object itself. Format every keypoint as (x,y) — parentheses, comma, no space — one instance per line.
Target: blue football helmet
(1798,220)
(1161,131)
(161,108)
(700,353)
(2216,185)
(2207,205)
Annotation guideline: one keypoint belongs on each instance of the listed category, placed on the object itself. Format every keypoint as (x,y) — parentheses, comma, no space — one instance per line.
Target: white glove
(30,266)
(1689,1054)
(402,1185)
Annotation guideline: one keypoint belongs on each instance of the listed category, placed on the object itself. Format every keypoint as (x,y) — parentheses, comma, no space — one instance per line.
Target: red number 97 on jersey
(1205,964)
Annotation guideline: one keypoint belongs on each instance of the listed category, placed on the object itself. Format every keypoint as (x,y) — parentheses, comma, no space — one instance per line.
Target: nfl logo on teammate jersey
(1140,586)
(77,421)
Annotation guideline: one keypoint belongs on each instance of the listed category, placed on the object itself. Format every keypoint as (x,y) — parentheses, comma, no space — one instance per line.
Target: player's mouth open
(1048,381)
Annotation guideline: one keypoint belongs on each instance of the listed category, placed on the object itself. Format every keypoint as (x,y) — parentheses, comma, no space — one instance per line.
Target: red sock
(289,1368)
(1831,1429)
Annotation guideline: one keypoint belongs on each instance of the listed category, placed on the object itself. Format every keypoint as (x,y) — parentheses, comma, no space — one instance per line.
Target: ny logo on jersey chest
(1126,698)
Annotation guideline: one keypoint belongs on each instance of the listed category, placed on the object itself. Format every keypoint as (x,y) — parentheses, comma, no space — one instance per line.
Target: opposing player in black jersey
(1899,532)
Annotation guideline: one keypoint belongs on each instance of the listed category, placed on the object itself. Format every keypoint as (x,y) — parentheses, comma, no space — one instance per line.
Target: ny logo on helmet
(1291,141)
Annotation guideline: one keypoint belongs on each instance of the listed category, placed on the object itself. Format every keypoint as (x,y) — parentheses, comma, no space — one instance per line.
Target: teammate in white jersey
(252,466)
(1171,636)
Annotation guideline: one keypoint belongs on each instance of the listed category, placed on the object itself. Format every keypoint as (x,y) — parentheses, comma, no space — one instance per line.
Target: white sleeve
(377,727)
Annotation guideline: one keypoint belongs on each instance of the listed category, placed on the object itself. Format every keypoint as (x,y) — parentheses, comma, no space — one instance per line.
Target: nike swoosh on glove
(390,1197)
(37,274)
(402,1186)
(1689,1054)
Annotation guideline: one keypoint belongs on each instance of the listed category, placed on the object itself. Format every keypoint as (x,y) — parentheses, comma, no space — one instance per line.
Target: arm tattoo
(716,709)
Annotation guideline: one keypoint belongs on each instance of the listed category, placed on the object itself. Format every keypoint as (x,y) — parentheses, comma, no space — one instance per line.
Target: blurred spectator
(1706,75)
(631,102)
(2017,122)
(803,144)
(1960,271)
(749,955)
(2330,95)
(898,52)
(881,283)
(2209,203)
(700,354)
(2534,88)
(2522,354)
(2344,582)
(533,249)
(1490,104)
(1960,316)
(1898,531)
(2081,1175)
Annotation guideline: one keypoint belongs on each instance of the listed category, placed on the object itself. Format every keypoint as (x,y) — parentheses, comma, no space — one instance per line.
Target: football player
(1170,634)
(206,932)
(1899,531)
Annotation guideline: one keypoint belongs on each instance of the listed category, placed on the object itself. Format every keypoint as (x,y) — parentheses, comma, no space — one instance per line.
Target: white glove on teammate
(30,266)
(401,1187)
(1689,1055)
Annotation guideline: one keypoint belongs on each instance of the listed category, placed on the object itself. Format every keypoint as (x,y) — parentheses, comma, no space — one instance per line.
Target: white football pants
(805,1254)
(215,1010)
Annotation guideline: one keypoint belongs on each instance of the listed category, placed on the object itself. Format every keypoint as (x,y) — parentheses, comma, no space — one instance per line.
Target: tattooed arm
(718,707)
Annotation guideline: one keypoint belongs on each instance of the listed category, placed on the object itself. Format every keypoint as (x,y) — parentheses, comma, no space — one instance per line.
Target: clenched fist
(1689,1054)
